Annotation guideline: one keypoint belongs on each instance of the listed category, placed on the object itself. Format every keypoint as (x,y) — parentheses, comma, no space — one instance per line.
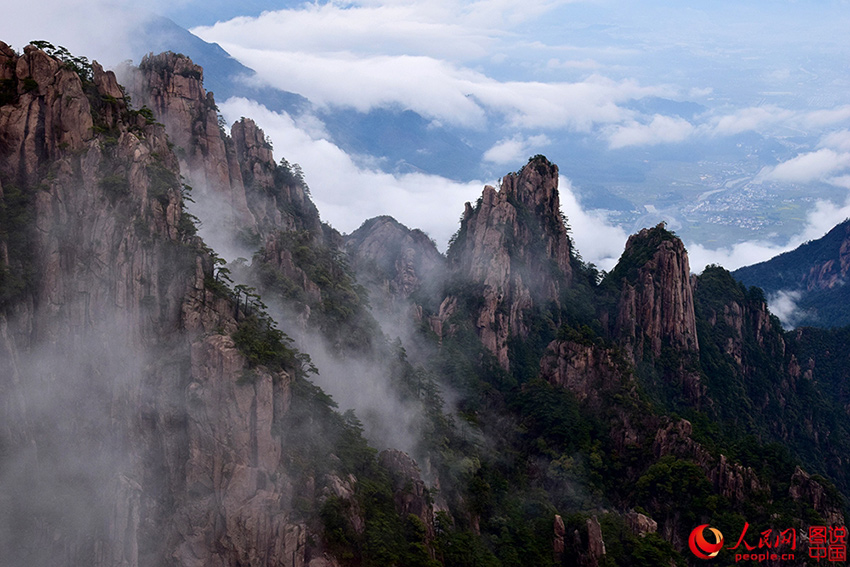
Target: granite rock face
(514,244)
(656,303)
(585,369)
(251,195)
(401,266)
(130,435)
(172,87)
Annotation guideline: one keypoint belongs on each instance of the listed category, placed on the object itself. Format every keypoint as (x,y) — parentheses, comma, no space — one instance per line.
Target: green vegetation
(638,254)
(265,345)
(80,65)
(339,309)
(757,401)
(162,182)
(115,186)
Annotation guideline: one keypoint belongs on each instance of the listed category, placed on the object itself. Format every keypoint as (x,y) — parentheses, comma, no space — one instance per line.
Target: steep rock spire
(656,305)
(277,197)
(514,242)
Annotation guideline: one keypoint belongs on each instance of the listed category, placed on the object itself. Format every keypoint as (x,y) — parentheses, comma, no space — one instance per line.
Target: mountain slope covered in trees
(813,276)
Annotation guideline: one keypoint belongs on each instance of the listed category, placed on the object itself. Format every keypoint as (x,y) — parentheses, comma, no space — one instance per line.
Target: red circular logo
(701,547)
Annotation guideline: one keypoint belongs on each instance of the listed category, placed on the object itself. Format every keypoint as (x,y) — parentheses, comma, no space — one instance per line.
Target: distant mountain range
(813,276)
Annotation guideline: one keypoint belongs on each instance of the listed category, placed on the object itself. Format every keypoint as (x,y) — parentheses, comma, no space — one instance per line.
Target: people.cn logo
(701,547)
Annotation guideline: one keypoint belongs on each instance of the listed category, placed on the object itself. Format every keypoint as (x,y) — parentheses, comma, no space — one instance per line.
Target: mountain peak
(535,184)
(514,241)
(656,300)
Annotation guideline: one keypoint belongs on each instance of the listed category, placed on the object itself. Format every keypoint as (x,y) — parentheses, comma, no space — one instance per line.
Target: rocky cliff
(514,244)
(245,193)
(172,87)
(129,435)
(402,267)
(656,306)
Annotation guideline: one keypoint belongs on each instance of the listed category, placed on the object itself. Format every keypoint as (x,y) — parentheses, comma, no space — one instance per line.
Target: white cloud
(597,240)
(348,194)
(662,129)
(511,151)
(760,118)
(752,118)
(811,166)
(448,29)
(783,304)
(380,28)
(419,56)
(442,90)
(827,117)
(838,140)
(431,87)
(736,256)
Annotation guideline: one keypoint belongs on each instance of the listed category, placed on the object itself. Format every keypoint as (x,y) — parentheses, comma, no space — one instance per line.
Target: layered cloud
(442,90)
(448,29)
(811,166)
(826,164)
(426,57)
(661,129)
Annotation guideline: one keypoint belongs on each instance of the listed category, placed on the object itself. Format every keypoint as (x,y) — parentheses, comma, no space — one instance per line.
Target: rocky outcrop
(730,479)
(739,320)
(640,524)
(278,255)
(808,490)
(246,194)
(584,368)
(396,262)
(277,194)
(656,305)
(51,114)
(133,431)
(595,543)
(409,491)
(515,244)
(558,533)
(172,87)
